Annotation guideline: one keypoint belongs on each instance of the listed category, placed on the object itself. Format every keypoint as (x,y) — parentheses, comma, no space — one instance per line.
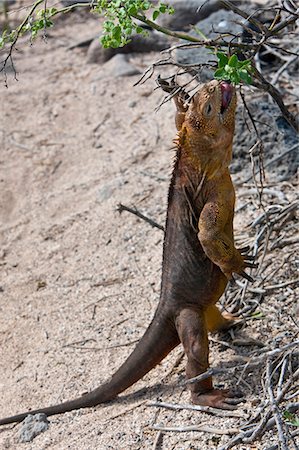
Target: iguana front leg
(215,231)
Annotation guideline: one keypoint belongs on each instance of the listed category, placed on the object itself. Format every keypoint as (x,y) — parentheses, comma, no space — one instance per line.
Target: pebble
(32,426)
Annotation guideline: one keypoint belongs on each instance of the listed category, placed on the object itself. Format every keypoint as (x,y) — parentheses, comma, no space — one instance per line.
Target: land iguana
(199,255)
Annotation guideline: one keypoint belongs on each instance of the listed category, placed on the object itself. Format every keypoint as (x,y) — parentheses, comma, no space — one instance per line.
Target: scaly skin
(206,128)
(199,254)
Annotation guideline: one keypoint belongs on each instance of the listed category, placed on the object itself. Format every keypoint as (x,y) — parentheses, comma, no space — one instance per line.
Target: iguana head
(206,124)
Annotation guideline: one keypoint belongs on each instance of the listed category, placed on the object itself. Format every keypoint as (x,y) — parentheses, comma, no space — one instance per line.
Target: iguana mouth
(227,92)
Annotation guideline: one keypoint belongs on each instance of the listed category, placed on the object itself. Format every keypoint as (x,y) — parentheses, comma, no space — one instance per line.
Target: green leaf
(234,78)
(128,31)
(291,419)
(244,75)
(219,74)
(115,43)
(222,59)
(156,14)
(132,10)
(108,26)
(116,32)
(257,315)
(244,63)
(233,61)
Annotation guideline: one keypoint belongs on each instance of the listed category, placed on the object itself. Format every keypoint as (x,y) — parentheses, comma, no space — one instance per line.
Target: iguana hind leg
(217,321)
(192,330)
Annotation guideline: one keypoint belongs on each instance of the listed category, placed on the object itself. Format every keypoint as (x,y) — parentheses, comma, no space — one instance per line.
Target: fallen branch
(202,428)
(206,409)
(121,208)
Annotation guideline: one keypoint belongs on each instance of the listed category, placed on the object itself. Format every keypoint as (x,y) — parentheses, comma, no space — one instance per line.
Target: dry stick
(282,69)
(187,37)
(240,438)
(12,45)
(274,408)
(260,428)
(276,446)
(206,409)
(158,441)
(284,243)
(126,411)
(284,366)
(203,428)
(121,208)
(100,349)
(258,359)
(281,285)
(266,86)
(267,289)
(243,14)
(269,163)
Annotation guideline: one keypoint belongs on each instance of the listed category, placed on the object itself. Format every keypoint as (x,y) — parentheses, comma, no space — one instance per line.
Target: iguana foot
(231,321)
(217,321)
(219,398)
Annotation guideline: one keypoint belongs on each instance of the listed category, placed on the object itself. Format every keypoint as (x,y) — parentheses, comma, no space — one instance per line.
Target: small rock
(96,54)
(277,135)
(32,426)
(106,190)
(220,21)
(120,67)
(188,13)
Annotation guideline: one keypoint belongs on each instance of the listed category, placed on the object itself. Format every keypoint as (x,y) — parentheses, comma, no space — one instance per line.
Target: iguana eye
(208,110)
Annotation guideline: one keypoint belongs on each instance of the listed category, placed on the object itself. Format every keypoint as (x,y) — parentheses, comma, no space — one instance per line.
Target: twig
(275,94)
(276,446)
(282,69)
(269,163)
(274,408)
(203,428)
(206,409)
(260,428)
(281,285)
(121,208)
(236,10)
(257,360)
(126,411)
(158,441)
(100,349)
(284,242)
(13,44)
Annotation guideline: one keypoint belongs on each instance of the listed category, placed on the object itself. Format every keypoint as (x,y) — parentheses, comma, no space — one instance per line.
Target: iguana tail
(159,339)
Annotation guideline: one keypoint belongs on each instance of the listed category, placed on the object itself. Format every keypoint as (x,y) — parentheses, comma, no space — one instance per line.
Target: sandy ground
(79,282)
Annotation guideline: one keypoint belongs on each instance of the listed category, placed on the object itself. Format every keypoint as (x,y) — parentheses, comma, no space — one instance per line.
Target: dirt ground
(80,282)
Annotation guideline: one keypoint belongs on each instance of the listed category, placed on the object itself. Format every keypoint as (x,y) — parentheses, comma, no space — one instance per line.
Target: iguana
(199,256)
